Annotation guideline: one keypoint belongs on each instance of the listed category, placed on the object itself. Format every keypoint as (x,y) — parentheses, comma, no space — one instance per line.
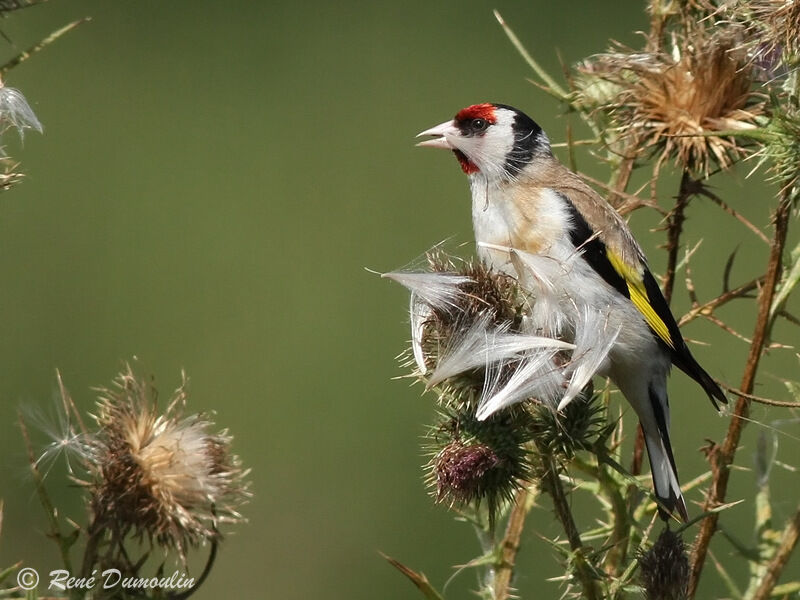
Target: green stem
(551,86)
(26,54)
(789,539)
(523,502)
(552,480)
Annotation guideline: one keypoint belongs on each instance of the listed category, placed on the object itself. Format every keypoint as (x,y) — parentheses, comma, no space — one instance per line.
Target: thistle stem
(552,480)
(789,539)
(523,502)
(622,177)
(674,230)
(722,459)
(550,84)
(41,45)
(709,307)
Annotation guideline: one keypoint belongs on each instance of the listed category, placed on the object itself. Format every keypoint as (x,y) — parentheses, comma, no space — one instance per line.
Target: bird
(525,200)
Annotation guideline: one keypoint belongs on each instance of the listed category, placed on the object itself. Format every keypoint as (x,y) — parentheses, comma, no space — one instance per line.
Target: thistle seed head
(163,476)
(678,104)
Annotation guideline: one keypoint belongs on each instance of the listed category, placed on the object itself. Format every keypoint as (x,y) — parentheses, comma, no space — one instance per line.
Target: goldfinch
(526,203)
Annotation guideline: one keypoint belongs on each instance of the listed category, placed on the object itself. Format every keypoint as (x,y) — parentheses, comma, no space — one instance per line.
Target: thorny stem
(95,534)
(674,230)
(722,459)
(617,545)
(203,576)
(552,480)
(735,214)
(623,177)
(523,502)
(760,399)
(708,308)
(791,534)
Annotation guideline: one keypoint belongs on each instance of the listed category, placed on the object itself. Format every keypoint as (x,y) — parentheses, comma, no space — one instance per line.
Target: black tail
(684,360)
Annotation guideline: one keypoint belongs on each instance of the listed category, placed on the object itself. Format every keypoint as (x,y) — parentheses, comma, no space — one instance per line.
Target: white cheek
(488,153)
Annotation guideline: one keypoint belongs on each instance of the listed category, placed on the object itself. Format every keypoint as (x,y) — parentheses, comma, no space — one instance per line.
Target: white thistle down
(536,375)
(419,312)
(16,112)
(438,289)
(594,339)
(483,345)
(428,291)
(561,341)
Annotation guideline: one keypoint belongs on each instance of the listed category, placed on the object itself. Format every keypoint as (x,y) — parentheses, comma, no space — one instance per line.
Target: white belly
(491,224)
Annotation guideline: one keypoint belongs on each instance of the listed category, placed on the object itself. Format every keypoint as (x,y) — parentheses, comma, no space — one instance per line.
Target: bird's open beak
(440,133)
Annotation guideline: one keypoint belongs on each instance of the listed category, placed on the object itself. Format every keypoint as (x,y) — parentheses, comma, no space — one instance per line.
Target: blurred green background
(213,179)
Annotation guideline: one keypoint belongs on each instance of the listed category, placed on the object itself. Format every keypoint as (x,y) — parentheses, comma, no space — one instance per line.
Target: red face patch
(467,165)
(477,111)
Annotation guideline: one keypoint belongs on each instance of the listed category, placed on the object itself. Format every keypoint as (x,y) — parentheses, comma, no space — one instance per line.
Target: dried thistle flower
(678,105)
(782,21)
(9,176)
(664,568)
(14,112)
(162,476)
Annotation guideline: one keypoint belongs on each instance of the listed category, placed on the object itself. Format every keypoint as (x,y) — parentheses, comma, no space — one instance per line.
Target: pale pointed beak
(439,133)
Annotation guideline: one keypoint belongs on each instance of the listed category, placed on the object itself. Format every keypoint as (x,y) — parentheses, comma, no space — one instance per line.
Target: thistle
(161,476)
(680,105)
(482,344)
(478,461)
(664,568)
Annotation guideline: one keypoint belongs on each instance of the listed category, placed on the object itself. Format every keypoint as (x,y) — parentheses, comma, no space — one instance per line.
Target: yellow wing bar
(638,296)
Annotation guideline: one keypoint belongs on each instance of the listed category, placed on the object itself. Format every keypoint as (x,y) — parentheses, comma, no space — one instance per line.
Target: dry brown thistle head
(161,476)
(678,105)
(9,173)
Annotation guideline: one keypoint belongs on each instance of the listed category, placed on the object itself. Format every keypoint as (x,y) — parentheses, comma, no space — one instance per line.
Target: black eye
(479,125)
